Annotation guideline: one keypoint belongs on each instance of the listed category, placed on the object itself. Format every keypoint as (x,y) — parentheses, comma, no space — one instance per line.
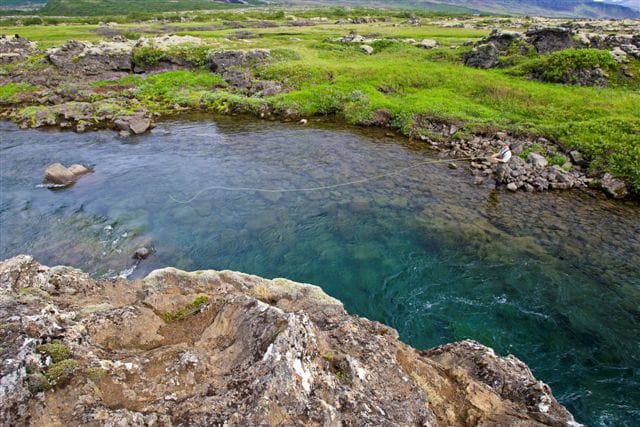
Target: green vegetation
(8,90)
(561,66)
(56,350)
(182,313)
(95,374)
(183,88)
(61,371)
(407,85)
(123,7)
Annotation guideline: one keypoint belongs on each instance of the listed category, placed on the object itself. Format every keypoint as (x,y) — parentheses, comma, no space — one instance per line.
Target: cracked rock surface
(221,347)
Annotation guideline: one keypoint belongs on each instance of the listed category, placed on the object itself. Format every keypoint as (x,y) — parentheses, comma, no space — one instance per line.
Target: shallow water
(553,278)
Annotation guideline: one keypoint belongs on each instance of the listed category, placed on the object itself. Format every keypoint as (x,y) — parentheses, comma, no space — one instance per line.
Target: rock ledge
(221,347)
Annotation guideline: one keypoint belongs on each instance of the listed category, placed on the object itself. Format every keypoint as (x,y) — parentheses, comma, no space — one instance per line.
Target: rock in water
(141,253)
(613,187)
(139,124)
(78,170)
(216,347)
(59,175)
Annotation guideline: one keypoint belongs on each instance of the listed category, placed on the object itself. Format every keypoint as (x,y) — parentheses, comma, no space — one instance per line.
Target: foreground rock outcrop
(213,348)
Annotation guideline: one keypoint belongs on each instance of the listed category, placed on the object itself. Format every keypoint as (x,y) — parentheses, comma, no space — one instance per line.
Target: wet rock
(141,253)
(512,186)
(78,170)
(58,174)
(547,40)
(537,160)
(483,56)
(207,347)
(139,124)
(613,187)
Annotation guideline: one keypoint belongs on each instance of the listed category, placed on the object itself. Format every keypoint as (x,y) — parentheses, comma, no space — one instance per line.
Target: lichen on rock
(248,351)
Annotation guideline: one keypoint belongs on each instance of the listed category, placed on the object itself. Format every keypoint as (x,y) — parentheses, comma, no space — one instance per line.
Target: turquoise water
(553,278)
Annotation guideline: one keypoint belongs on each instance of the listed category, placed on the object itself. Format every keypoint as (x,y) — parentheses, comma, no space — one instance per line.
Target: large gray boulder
(483,56)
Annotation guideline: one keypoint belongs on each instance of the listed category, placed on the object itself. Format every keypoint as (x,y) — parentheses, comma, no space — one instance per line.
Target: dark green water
(552,278)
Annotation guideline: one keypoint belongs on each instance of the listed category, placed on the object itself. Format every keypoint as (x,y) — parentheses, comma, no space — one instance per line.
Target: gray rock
(613,187)
(59,175)
(141,253)
(77,57)
(427,44)
(483,56)
(578,158)
(78,170)
(537,160)
(15,48)
(366,49)
(204,347)
(512,186)
(222,60)
(139,124)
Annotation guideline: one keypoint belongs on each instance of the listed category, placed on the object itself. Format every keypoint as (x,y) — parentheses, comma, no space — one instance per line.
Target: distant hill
(551,8)
(559,8)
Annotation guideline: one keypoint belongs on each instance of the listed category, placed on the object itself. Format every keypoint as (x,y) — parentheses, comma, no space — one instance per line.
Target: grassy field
(335,79)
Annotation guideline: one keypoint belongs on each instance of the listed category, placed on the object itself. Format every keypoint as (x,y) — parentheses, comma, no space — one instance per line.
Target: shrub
(56,350)
(557,65)
(147,55)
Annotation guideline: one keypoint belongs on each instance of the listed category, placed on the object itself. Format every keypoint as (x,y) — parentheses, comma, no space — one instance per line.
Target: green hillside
(123,7)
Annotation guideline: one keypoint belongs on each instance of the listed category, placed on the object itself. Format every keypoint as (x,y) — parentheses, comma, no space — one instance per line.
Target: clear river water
(553,278)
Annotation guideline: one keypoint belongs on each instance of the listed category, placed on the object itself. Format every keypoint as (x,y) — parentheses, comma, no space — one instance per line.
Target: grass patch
(56,350)
(181,314)
(9,90)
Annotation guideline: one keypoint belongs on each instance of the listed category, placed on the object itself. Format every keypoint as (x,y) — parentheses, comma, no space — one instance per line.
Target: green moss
(62,370)
(147,56)
(9,90)
(56,350)
(95,374)
(181,314)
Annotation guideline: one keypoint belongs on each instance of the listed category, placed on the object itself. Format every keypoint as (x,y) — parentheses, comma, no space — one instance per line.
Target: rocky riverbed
(214,347)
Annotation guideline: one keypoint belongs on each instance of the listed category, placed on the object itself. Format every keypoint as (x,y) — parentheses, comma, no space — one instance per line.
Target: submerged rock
(215,347)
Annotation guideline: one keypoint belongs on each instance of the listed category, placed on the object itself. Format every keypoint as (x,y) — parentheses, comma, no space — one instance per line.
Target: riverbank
(419,89)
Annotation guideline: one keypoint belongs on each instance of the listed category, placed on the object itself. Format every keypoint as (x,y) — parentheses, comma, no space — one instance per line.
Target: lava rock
(483,56)
(141,253)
